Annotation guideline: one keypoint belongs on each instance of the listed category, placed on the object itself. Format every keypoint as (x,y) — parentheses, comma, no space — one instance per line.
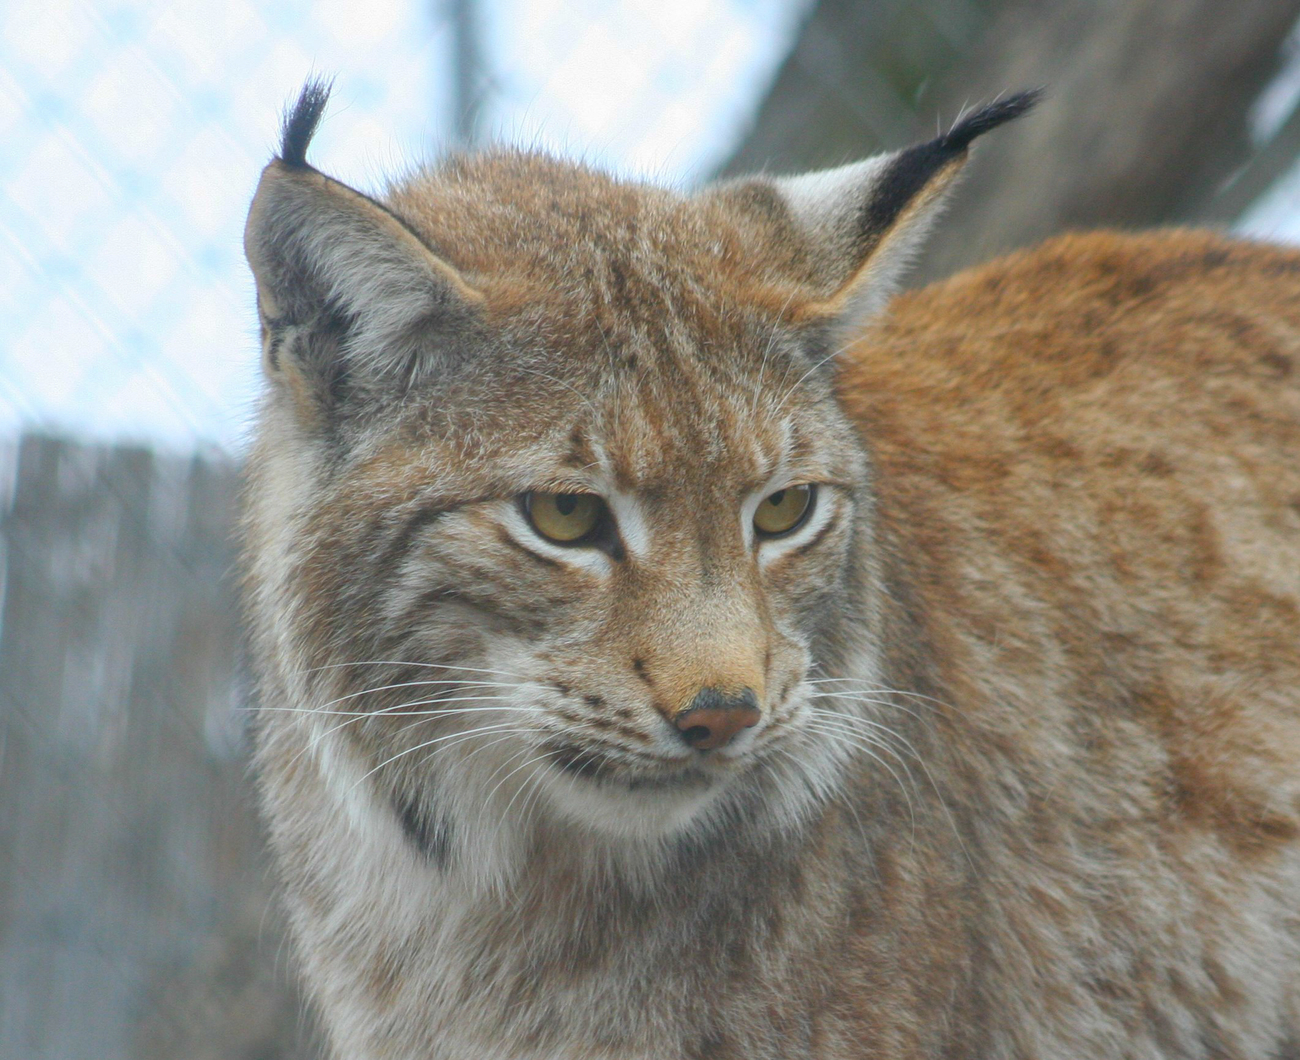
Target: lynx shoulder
(673,645)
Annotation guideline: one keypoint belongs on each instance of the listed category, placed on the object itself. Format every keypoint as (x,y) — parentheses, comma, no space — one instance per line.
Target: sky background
(134,134)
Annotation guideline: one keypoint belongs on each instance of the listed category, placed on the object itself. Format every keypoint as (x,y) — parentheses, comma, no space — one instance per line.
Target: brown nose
(714,717)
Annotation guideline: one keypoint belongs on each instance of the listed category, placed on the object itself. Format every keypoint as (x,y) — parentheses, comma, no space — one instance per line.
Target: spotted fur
(1026,780)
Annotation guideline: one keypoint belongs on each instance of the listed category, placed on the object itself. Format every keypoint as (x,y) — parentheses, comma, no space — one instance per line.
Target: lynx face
(611,603)
(624,595)
(553,501)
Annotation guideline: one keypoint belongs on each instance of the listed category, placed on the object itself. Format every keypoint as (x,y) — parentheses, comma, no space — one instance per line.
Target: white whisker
(866,697)
(771,342)
(437,740)
(461,683)
(480,747)
(505,814)
(400,708)
(523,765)
(795,385)
(852,720)
(827,722)
(841,794)
(873,726)
(444,712)
(878,691)
(409,662)
(861,743)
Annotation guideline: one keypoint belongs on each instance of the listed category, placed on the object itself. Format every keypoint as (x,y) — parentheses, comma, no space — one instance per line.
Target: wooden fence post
(136,918)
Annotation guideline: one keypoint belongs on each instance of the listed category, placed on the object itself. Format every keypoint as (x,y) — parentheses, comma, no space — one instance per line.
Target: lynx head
(553,515)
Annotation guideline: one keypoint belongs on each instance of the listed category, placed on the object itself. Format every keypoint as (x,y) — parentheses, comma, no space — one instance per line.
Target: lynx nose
(714,717)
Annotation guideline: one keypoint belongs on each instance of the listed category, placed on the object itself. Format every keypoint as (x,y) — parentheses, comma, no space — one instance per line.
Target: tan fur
(1044,801)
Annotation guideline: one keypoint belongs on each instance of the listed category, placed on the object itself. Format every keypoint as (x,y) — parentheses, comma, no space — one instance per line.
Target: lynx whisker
(864,697)
(877,736)
(324,707)
(840,796)
(354,716)
(864,744)
(363,663)
(920,760)
(878,690)
(533,799)
(880,734)
(451,683)
(504,765)
(876,698)
(481,747)
(360,715)
(767,351)
(487,799)
(472,734)
(437,740)
(789,393)
(505,814)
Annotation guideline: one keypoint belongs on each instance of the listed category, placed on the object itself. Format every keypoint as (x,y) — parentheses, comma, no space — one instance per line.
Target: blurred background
(136,911)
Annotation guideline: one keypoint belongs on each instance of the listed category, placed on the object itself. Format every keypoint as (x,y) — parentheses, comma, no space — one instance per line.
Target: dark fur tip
(959,137)
(300,124)
(913,167)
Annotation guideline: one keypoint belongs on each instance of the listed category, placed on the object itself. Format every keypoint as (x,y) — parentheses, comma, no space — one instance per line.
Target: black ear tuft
(959,137)
(912,168)
(300,123)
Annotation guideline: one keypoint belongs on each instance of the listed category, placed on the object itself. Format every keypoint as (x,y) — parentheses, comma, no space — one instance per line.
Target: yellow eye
(783,510)
(565,518)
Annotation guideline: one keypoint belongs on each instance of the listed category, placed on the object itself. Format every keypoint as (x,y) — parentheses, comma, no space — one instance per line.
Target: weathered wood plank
(135,911)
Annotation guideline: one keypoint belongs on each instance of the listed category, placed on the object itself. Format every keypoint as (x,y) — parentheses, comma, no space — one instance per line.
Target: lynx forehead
(670,647)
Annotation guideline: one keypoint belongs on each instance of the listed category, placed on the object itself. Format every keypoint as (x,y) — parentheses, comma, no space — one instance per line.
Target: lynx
(672,644)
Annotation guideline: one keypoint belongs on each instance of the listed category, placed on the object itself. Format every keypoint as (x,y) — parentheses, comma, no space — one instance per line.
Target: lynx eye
(783,511)
(565,518)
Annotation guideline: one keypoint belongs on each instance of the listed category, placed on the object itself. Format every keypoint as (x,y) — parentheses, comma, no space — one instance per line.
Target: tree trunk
(1145,122)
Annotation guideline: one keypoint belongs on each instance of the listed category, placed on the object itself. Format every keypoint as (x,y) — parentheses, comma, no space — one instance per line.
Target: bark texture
(1146,121)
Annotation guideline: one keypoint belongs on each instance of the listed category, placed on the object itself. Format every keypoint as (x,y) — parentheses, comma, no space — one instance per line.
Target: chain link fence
(134,134)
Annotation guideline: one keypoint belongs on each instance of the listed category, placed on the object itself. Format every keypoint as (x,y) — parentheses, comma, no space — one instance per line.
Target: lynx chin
(673,645)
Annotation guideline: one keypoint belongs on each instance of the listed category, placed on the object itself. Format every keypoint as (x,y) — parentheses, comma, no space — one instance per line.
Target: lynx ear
(866,220)
(344,288)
